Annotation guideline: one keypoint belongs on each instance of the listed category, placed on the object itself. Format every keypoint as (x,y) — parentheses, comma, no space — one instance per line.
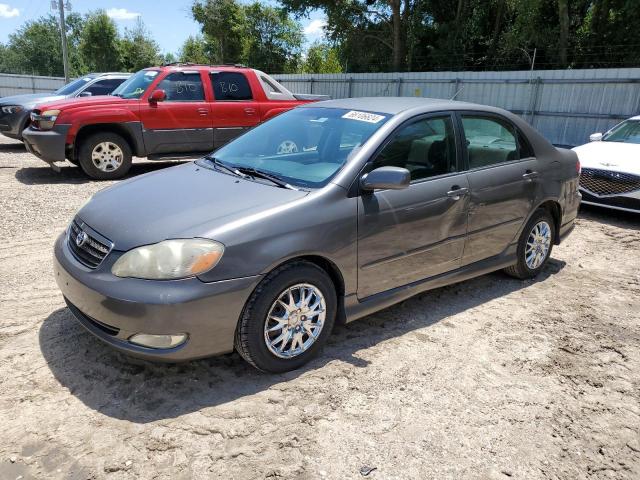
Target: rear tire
(259,326)
(105,156)
(534,246)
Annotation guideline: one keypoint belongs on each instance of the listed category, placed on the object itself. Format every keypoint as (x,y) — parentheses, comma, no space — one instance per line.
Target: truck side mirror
(158,96)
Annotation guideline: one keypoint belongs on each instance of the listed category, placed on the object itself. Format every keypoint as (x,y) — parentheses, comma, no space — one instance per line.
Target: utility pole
(63,34)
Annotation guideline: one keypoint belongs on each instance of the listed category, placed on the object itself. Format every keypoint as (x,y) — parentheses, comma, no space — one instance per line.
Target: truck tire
(105,156)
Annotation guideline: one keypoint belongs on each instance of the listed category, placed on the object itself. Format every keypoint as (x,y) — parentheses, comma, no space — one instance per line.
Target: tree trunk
(398,36)
(497,29)
(563,44)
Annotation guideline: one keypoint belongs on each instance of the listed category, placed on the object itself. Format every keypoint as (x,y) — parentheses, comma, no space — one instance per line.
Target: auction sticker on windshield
(363,116)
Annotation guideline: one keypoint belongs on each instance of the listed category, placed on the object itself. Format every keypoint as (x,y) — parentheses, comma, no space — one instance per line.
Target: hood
(612,156)
(30,99)
(185,201)
(66,103)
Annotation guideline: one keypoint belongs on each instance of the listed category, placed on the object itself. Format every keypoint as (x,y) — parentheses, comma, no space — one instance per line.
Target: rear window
(230,86)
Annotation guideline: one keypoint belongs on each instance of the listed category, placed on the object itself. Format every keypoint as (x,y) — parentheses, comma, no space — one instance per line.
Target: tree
(137,49)
(321,58)
(196,50)
(274,40)
(223,25)
(99,43)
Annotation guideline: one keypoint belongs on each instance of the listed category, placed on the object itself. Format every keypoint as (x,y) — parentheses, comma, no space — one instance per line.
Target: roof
(395,105)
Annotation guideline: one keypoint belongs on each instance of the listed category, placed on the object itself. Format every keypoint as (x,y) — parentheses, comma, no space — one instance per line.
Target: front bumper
(114,309)
(48,145)
(12,124)
(626,202)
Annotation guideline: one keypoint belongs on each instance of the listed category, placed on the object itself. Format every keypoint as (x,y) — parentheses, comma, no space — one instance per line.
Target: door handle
(203,112)
(250,111)
(456,192)
(529,175)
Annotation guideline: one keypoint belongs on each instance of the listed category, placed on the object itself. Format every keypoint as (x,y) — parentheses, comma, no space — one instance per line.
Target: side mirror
(85,94)
(595,137)
(158,96)
(387,178)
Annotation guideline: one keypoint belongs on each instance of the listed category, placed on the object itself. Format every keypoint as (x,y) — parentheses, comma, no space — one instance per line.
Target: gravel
(489,378)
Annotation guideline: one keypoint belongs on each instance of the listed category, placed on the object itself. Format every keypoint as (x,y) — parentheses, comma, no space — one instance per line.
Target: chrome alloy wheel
(538,245)
(295,320)
(287,146)
(107,156)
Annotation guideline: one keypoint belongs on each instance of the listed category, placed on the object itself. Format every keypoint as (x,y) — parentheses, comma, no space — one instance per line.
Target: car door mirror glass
(595,137)
(158,96)
(387,178)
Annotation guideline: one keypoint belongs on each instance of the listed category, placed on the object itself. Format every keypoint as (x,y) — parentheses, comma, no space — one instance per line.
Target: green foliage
(321,58)
(99,43)
(224,26)
(197,50)
(137,49)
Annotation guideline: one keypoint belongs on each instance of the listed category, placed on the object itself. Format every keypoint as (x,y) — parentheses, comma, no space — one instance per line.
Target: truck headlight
(170,259)
(45,120)
(11,109)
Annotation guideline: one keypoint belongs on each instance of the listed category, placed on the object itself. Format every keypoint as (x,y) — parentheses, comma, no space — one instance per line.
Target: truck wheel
(105,156)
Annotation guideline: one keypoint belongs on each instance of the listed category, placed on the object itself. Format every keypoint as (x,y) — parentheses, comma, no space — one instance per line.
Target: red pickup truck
(172,111)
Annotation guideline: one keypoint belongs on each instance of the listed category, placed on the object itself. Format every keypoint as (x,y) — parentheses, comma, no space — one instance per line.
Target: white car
(610,175)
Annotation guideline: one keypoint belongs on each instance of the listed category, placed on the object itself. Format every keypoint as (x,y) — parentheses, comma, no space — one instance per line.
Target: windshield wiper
(254,172)
(223,166)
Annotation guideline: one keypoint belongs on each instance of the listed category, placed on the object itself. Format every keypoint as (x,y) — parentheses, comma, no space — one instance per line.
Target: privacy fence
(19,84)
(566,106)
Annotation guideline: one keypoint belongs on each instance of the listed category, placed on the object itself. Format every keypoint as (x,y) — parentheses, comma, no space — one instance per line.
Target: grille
(108,329)
(604,182)
(91,252)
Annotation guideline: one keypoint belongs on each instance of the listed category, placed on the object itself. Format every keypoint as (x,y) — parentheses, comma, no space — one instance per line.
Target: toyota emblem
(81,239)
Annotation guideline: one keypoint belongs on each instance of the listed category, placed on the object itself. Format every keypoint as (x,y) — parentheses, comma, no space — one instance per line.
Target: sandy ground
(490,378)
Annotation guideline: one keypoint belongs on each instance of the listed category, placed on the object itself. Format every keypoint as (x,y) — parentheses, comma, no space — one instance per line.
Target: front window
(305,147)
(73,87)
(626,132)
(136,85)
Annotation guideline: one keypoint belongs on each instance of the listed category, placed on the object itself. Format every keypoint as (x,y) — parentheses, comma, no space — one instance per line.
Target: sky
(169,21)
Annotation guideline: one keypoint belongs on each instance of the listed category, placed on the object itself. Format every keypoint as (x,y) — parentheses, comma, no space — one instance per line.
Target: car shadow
(130,389)
(12,147)
(616,218)
(70,174)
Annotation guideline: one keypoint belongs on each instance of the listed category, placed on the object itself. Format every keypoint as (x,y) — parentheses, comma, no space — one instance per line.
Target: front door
(411,234)
(182,122)
(235,109)
(503,183)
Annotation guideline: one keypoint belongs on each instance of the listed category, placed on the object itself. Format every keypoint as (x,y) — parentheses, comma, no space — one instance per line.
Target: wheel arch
(131,132)
(555,210)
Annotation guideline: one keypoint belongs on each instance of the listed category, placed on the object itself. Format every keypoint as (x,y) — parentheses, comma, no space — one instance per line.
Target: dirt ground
(491,378)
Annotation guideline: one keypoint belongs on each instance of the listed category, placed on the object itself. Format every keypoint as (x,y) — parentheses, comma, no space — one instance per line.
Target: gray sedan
(262,252)
(15,110)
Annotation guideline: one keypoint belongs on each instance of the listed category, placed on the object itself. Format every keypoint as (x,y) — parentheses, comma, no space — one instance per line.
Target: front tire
(534,246)
(105,156)
(288,318)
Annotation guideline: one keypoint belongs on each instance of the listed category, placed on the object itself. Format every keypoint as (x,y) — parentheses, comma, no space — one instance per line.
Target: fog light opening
(158,341)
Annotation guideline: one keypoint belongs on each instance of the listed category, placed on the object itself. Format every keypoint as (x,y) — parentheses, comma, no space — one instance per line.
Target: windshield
(304,147)
(626,132)
(74,86)
(136,85)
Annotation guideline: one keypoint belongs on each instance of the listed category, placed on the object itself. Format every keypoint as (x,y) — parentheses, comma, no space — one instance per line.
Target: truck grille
(86,248)
(605,182)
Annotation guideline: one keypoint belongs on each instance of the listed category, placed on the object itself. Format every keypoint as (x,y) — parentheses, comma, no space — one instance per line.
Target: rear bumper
(48,145)
(113,309)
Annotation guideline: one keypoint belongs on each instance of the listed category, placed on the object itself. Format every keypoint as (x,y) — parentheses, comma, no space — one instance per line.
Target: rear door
(182,122)
(411,234)
(503,179)
(235,108)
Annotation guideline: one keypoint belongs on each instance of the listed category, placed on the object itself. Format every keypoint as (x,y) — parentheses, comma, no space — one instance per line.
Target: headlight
(12,109)
(45,120)
(170,259)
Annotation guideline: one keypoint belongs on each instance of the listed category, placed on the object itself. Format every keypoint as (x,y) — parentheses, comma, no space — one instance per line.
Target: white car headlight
(170,259)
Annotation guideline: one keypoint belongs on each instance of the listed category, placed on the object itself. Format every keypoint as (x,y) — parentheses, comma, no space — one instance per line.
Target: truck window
(230,86)
(183,87)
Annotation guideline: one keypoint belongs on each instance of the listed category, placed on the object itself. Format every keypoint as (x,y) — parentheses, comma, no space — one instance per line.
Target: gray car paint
(380,247)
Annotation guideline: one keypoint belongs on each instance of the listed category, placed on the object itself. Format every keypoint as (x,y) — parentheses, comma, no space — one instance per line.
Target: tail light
(578,166)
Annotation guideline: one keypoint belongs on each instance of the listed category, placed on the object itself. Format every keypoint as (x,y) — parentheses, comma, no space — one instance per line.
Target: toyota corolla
(263,252)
